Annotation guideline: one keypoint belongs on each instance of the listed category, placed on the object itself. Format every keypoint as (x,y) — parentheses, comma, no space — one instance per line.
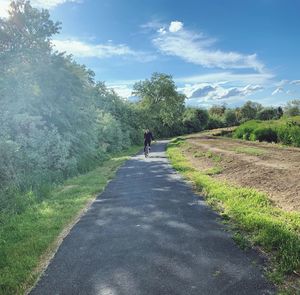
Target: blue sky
(218,51)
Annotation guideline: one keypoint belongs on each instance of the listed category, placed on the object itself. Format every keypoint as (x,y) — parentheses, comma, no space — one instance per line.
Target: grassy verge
(253,215)
(26,237)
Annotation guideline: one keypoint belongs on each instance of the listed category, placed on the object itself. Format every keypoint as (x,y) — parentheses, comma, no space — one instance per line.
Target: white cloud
(122,87)
(228,77)
(50,3)
(282,83)
(203,91)
(197,90)
(83,49)
(162,30)
(122,90)
(277,90)
(209,92)
(4,4)
(295,82)
(238,91)
(199,49)
(175,26)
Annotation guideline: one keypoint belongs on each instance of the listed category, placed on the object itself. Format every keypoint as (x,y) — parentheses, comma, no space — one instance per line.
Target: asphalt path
(148,233)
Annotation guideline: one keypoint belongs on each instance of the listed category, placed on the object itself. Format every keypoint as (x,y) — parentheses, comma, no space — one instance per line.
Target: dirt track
(274,169)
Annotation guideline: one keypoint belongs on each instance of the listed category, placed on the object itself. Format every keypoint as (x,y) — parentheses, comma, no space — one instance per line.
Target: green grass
(25,237)
(213,171)
(250,151)
(272,229)
(209,155)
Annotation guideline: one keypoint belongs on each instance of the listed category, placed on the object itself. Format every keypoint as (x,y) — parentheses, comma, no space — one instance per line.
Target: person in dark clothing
(148,137)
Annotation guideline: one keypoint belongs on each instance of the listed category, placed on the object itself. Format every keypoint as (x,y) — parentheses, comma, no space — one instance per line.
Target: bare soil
(275,171)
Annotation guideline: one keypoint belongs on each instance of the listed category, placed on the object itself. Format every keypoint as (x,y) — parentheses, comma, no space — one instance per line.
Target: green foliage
(230,118)
(269,113)
(218,110)
(285,131)
(162,105)
(275,230)
(215,121)
(264,134)
(292,108)
(55,120)
(195,120)
(249,110)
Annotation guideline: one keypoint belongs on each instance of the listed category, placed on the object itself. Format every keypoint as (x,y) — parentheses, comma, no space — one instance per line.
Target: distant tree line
(57,121)
(219,116)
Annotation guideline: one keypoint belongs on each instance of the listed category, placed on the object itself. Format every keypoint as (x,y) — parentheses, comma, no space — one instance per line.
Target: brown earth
(274,169)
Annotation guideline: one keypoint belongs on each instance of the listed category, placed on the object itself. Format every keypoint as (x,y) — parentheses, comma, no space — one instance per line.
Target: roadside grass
(259,223)
(26,237)
(250,151)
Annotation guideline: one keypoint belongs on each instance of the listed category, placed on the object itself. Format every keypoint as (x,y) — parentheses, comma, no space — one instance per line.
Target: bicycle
(147,151)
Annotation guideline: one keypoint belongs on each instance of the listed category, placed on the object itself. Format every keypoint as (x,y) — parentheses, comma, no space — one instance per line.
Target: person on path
(148,137)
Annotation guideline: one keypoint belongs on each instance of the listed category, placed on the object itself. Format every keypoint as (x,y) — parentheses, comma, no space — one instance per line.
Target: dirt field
(269,168)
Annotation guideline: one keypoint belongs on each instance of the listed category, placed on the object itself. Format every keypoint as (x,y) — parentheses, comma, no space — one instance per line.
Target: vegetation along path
(148,233)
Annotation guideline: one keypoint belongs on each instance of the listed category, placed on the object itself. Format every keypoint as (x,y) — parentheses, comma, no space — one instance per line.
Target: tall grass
(285,131)
(273,229)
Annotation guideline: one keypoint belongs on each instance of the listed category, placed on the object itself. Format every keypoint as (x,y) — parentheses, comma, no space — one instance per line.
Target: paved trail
(149,234)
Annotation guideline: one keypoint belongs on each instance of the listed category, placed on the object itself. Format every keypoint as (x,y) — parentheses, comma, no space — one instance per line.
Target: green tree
(161,103)
(218,110)
(195,120)
(26,33)
(55,120)
(215,121)
(230,117)
(279,112)
(249,110)
(269,113)
(292,108)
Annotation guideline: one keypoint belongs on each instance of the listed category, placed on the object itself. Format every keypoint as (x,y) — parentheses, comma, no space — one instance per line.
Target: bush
(245,130)
(265,134)
(285,130)
(268,114)
(289,134)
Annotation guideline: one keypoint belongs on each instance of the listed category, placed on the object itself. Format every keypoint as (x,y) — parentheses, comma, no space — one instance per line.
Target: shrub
(245,130)
(265,134)
(285,130)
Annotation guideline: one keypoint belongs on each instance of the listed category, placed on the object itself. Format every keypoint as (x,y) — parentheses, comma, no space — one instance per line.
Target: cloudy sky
(217,51)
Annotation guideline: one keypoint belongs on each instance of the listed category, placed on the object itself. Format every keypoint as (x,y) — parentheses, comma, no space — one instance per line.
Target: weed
(208,154)
(241,240)
(250,151)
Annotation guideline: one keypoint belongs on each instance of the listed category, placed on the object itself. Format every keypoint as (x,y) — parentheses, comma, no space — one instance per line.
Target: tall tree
(292,108)
(249,110)
(160,100)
